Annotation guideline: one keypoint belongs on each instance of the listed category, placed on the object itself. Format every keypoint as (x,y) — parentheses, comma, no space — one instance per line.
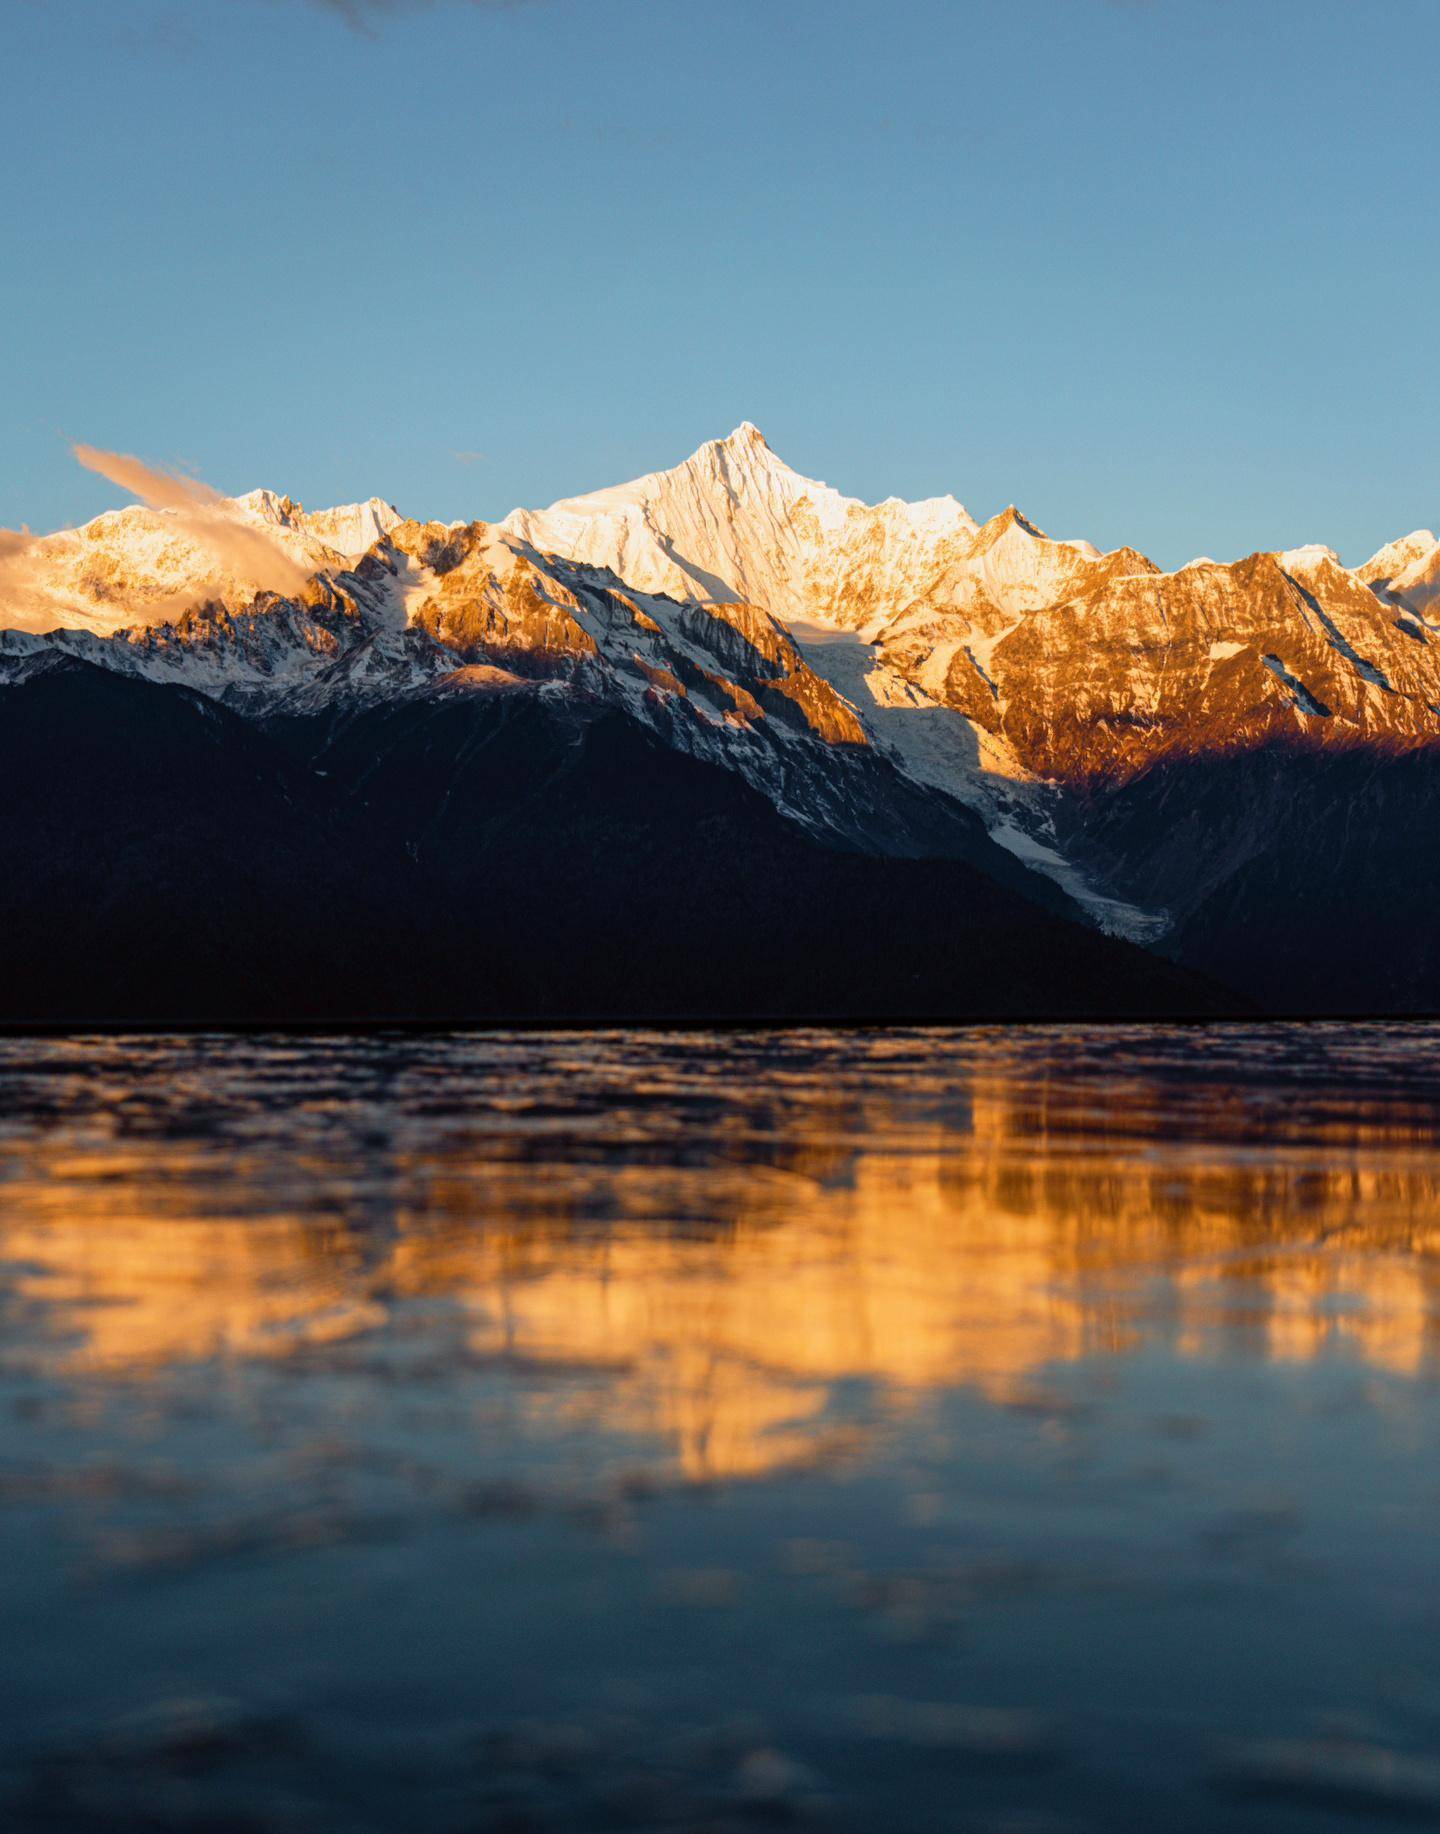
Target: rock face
(891,678)
(1135,667)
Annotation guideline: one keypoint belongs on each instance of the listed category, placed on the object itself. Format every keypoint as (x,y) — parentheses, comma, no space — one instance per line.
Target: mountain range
(718,742)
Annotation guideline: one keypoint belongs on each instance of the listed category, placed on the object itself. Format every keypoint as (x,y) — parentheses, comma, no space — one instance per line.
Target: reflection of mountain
(711,1286)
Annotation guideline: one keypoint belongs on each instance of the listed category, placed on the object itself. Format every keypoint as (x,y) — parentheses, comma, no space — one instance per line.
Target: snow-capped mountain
(894,677)
(137,567)
(1391,560)
(734,522)
(1416,585)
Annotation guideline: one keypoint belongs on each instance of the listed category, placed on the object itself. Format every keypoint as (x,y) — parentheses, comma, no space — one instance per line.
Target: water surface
(993,1429)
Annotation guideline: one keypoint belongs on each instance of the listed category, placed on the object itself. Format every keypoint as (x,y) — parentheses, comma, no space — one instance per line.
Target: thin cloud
(364,16)
(15,577)
(210,520)
(471,458)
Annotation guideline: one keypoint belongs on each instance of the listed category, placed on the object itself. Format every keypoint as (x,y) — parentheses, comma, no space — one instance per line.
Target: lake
(1011,1430)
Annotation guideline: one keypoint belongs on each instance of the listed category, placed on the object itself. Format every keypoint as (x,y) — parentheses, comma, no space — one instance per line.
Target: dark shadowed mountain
(1305,879)
(493,855)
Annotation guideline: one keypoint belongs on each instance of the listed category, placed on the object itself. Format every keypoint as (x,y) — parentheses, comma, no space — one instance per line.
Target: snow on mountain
(937,745)
(352,528)
(1308,558)
(139,566)
(1010,568)
(1394,557)
(733,522)
(1417,584)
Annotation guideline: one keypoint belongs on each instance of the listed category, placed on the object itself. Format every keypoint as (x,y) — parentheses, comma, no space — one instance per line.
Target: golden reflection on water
(721,1292)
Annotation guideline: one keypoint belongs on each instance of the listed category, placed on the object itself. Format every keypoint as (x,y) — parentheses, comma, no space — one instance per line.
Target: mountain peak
(271,505)
(1395,557)
(747,434)
(733,522)
(999,525)
(1306,558)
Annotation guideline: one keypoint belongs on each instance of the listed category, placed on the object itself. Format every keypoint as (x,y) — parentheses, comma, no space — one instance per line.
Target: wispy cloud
(211,521)
(231,546)
(15,577)
(471,458)
(365,16)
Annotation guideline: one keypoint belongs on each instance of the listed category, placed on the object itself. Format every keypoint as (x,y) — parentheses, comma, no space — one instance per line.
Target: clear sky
(1159,272)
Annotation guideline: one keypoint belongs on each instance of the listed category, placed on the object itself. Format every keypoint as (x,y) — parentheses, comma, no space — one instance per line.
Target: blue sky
(1162,273)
